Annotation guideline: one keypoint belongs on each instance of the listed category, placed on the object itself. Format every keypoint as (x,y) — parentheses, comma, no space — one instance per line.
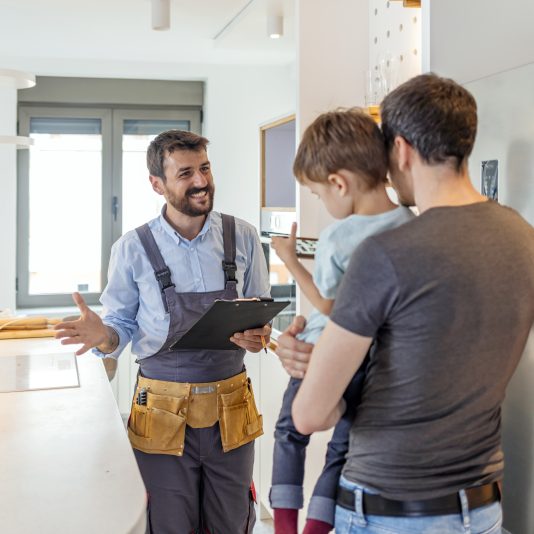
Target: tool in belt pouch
(161,410)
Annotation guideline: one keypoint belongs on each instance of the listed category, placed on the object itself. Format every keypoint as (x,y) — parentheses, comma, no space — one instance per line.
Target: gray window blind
(64,125)
(152,127)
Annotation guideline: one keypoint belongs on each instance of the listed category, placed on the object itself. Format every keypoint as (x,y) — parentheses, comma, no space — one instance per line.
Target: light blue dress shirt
(131,301)
(334,249)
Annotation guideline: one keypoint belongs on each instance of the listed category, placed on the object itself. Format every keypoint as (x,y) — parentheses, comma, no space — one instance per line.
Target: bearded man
(195,458)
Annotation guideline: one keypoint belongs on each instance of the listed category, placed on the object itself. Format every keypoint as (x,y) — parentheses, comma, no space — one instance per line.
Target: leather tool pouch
(239,419)
(159,426)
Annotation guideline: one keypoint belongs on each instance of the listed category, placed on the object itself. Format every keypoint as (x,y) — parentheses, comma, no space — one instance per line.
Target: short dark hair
(342,139)
(437,116)
(166,143)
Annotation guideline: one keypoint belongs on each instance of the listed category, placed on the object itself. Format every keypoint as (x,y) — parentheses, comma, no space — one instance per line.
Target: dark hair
(342,139)
(166,143)
(437,116)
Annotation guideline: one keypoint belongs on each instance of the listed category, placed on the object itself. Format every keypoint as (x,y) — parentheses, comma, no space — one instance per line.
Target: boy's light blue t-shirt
(336,244)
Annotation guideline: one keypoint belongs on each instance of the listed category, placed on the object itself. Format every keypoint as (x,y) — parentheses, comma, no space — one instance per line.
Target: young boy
(341,159)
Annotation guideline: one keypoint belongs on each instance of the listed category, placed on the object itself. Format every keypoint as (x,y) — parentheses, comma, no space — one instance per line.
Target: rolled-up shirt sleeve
(120,299)
(256,277)
(368,291)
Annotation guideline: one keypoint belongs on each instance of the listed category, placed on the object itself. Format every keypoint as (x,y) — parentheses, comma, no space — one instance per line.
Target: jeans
(290,455)
(483,520)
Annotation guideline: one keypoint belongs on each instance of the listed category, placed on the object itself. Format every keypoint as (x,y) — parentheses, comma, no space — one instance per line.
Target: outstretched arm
(286,248)
(88,330)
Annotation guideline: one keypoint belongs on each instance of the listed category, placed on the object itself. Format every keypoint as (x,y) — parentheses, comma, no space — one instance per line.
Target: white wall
(8,204)
(332,59)
(395,36)
(506,133)
(468,40)
(238,100)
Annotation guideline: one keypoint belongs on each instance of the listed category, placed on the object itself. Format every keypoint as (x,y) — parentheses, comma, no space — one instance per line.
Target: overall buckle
(164,279)
(230,269)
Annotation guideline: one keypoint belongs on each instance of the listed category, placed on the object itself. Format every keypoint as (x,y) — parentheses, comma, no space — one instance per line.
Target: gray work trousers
(204,491)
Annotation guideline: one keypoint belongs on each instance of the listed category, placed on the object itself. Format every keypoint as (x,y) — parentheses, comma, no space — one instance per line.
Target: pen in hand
(263,344)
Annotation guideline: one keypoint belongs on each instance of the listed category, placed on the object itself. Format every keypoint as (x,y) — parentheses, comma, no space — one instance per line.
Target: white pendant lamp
(18,140)
(16,79)
(161,14)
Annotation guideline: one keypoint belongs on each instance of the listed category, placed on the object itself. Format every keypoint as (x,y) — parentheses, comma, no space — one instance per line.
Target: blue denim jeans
(483,520)
(290,455)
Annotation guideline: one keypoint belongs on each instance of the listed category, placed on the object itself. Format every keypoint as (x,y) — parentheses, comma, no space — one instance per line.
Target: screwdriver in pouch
(141,397)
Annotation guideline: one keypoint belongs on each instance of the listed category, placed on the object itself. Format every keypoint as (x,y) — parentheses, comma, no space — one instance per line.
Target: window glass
(65,206)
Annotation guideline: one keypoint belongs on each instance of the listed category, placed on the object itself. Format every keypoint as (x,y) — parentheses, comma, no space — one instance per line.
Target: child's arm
(285,247)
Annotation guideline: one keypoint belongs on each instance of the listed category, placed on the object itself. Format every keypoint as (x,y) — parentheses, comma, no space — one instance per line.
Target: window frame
(112,118)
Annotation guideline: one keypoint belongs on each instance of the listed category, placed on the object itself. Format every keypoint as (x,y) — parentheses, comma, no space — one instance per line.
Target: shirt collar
(175,235)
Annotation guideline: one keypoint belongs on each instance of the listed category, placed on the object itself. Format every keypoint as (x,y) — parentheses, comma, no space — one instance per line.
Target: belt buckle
(202,390)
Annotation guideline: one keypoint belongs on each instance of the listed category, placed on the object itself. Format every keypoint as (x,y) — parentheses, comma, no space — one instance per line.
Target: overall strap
(228,264)
(161,271)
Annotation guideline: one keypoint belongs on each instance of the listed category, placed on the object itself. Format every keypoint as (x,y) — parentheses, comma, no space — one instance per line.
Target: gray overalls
(205,490)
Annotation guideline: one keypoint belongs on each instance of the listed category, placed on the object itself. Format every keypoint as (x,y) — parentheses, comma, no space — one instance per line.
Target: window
(82,185)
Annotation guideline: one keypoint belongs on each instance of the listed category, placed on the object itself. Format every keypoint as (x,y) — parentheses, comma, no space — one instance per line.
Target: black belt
(449,504)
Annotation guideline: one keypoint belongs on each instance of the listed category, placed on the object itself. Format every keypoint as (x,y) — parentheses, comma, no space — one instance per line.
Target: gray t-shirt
(449,298)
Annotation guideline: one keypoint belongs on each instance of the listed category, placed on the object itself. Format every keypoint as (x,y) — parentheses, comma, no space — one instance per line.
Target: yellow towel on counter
(23,334)
(26,327)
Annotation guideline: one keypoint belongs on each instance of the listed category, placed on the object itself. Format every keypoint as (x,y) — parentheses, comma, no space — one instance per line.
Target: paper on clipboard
(226,317)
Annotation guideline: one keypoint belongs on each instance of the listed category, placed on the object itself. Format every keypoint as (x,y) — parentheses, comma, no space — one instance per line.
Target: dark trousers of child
(290,455)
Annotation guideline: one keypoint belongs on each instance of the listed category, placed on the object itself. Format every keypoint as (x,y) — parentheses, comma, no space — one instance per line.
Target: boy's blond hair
(344,139)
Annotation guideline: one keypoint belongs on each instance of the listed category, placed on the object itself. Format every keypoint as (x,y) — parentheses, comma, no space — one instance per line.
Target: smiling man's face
(188,185)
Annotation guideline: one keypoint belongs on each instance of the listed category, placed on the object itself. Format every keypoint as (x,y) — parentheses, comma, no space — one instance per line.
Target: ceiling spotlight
(161,14)
(275,26)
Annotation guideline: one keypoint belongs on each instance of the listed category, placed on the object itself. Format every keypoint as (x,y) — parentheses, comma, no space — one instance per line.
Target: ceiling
(120,30)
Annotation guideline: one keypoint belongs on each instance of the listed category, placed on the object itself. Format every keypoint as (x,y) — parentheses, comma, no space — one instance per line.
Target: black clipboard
(226,317)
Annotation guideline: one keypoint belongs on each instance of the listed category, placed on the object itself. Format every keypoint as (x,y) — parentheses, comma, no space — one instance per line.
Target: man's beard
(405,198)
(404,195)
(184,205)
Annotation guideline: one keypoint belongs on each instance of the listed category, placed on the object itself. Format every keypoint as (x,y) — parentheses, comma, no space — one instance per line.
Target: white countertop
(66,465)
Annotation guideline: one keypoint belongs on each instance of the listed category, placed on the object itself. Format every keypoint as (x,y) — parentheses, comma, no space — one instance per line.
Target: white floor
(264,527)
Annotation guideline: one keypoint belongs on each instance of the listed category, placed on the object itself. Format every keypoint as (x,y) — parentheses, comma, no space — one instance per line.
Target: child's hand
(286,247)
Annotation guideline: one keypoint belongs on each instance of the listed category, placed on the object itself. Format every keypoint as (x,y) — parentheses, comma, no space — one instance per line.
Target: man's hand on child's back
(294,354)
(286,247)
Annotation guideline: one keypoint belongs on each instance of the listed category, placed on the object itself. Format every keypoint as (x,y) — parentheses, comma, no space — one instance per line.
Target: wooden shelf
(409,3)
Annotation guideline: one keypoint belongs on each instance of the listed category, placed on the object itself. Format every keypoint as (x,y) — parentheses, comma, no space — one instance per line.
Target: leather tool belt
(161,411)
(449,504)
